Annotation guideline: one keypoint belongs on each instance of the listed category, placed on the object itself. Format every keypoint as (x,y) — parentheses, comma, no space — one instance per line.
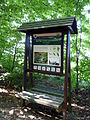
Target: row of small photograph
(46,68)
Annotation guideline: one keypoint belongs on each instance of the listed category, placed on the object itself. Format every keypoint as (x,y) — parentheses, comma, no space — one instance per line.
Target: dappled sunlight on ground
(3,90)
(77,106)
(80,105)
(11,108)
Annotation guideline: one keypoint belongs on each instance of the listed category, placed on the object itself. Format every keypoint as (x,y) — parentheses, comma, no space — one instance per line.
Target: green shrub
(14,80)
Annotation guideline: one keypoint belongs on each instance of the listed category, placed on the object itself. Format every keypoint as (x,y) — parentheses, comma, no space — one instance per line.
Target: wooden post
(69,77)
(25,66)
(66,75)
(25,62)
(30,62)
(62,55)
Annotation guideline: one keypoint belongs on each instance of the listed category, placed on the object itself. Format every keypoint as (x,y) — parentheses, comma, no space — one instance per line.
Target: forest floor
(11,108)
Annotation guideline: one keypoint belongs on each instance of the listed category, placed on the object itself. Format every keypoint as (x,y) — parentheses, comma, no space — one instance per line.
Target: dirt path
(11,108)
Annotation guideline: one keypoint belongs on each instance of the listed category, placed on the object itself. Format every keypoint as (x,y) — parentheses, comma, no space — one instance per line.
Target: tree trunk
(14,58)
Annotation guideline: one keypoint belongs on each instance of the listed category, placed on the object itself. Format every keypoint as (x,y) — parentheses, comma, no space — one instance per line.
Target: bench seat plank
(42,98)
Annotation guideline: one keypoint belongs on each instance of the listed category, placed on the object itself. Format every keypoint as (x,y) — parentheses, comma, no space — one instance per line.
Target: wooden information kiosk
(44,51)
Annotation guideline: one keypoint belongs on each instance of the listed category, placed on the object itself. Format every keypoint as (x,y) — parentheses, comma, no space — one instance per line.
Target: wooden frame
(66,26)
(61,67)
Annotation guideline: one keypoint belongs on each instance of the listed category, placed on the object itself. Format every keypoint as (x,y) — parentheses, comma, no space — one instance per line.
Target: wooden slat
(39,24)
(56,20)
(46,72)
(48,92)
(46,23)
(43,99)
(48,34)
(29,27)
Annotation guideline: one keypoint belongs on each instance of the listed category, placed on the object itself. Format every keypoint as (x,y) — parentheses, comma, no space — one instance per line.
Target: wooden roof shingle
(58,25)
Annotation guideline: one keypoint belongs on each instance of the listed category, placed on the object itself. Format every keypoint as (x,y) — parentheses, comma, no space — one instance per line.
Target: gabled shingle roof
(62,24)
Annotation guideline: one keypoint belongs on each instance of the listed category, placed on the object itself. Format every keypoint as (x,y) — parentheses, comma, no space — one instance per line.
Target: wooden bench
(43,98)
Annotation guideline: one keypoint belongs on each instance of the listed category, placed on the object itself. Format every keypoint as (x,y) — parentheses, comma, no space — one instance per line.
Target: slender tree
(78,48)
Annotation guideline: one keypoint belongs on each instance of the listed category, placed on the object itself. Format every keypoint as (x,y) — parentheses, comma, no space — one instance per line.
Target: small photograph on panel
(35,67)
(41,57)
(57,69)
(39,67)
(53,69)
(43,68)
(48,68)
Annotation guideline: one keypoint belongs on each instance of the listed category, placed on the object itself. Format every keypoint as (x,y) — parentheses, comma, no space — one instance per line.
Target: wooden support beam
(25,63)
(69,77)
(62,53)
(30,61)
(66,75)
(28,53)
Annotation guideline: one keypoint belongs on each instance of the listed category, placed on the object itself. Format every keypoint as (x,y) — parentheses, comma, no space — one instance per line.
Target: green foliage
(84,72)
(14,12)
(14,80)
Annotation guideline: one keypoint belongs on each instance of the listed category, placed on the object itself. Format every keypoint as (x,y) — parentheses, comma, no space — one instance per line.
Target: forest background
(12,43)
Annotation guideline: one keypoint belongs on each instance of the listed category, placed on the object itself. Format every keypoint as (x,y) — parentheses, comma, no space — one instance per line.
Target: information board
(47,54)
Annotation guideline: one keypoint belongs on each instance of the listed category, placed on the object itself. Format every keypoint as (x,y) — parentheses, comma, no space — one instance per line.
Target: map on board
(47,54)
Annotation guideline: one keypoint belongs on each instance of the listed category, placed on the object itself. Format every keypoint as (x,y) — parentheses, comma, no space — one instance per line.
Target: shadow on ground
(11,108)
